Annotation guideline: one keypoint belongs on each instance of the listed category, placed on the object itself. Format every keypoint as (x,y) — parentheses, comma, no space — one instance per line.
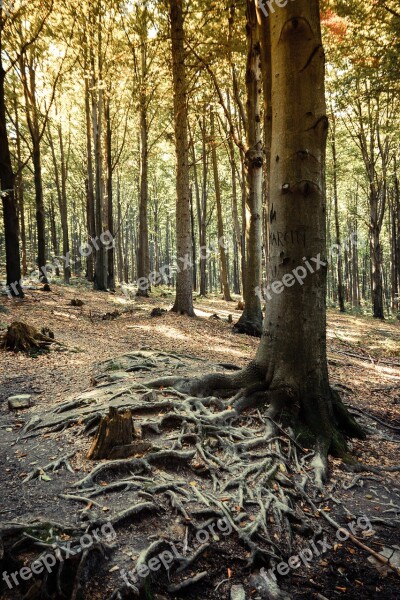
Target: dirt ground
(364,360)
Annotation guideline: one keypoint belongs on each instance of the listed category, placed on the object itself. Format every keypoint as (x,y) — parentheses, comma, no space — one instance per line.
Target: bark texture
(13,263)
(184,278)
(251,320)
(115,432)
(220,221)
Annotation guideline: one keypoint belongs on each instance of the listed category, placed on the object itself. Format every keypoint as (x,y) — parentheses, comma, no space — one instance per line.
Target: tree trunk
(397,212)
(120,233)
(10,216)
(202,212)
(194,256)
(29,85)
(143,250)
(19,189)
(184,280)
(53,230)
(110,208)
(40,213)
(198,210)
(100,282)
(220,222)
(251,320)
(292,352)
(337,224)
(64,207)
(267,90)
(60,176)
(90,201)
(377,282)
(235,213)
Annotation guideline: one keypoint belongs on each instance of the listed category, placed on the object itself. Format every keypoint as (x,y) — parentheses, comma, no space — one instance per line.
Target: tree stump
(21,337)
(114,436)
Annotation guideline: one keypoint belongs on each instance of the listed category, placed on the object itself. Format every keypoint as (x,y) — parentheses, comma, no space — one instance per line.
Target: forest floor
(364,361)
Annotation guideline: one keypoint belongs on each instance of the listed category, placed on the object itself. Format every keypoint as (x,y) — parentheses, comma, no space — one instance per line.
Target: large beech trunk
(292,352)
(184,278)
(293,347)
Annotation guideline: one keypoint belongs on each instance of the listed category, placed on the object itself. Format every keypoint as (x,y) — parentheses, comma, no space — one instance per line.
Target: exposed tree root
(224,448)
(52,466)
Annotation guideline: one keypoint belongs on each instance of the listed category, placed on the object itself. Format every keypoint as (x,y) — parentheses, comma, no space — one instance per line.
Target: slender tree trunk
(10,216)
(337,223)
(184,280)
(203,214)
(90,200)
(100,282)
(64,206)
(198,210)
(356,276)
(120,233)
(40,212)
(251,320)
(53,230)
(110,208)
(220,222)
(377,281)
(60,175)
(235,216)
(193,241)
(19,189)
(397,212)
(143,250)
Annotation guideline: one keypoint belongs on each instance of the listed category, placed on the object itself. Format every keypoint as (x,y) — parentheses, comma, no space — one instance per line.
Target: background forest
(89,112)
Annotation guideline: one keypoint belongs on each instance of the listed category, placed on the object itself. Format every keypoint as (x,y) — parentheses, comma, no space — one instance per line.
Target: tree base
(320,421)
(248,328)
(249,325)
